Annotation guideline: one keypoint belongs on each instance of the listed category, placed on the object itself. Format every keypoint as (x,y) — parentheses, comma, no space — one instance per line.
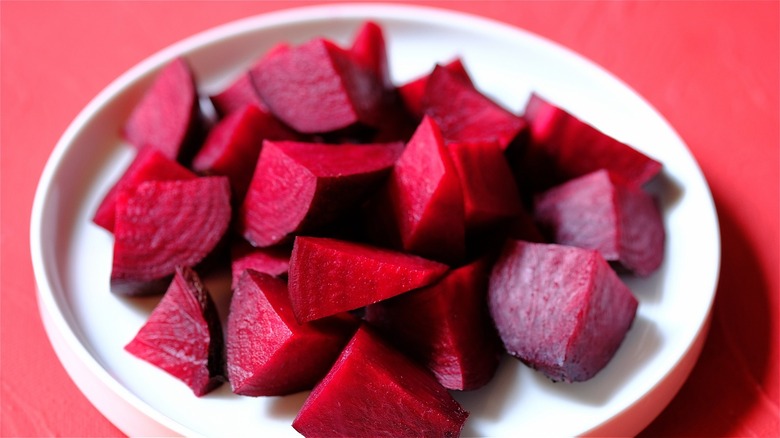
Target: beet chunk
(299,187)
(168,116)
(268,352)
(183,335)
(329,276)
(370,51)
(446,327)
(412,92)
(273,260)
(595,212)
(164,224)
(561,310)
(149,165)
(372,391)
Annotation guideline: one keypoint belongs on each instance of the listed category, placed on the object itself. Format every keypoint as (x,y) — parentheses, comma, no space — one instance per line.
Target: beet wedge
(446,327)
(595,212)
(413,92)
(561,310)
(268,352)
(329,276)
(168,116)
(372,391)
(273,260)
(164,224)
(183,335)
(148,165)
(300,187)
(370,52)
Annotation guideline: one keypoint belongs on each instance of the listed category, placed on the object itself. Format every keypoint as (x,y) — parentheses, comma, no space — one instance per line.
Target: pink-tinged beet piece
(596,212)
(375,391)
(274,260)
(370,51)
(328,276)
(318,87)
(299,187)
(164,224)
(168,116)
(233,146)
(560,309)
(464,114)
(412,92)
(446,327)
(149,165)
(268,352)
(183,335)
(562,147)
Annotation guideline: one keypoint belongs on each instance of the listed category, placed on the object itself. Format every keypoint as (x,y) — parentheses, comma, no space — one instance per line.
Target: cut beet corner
(300,187)
(183,335)
(164,224)
(268,352)
(329,276)
(412,92)
(559,309)
(274,260)
(370,51)
(373,390)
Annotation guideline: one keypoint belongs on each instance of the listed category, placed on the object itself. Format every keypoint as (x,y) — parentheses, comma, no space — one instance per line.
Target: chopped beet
(273,260)
(168,116)
(233,146)
(446,327)
(466,115)
(559,309)
(268,352)
(329,276)
(164,224)
(412,92)
(149,165)
(596,212)
(299,187)
(183,335)
(562,147)
(373,390)
(369,51)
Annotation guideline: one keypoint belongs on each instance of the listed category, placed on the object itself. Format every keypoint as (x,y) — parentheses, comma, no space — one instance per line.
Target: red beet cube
(164,224)
(268,352)
(183,335)
(274,260)
(446,327)
(370,52)
(373,390)
(329,276)
(561,310)
(412,92)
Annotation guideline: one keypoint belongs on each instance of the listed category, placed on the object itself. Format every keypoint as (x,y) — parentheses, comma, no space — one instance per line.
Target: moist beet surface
(273,260)
(412,92)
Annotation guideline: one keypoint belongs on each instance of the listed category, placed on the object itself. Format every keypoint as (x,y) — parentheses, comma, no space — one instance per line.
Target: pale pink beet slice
(148,165)
(233,146)
(412,92)
(561,310)
(562,147)
(268,352)
(328,276)
(168,116)
(375,391)
(299,187)
(446,327)
(164,224)
(370,51)
(595,212)
(183,335)
(464,114)
(274,260)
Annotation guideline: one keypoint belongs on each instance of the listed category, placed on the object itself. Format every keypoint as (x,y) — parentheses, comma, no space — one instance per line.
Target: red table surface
(711,68)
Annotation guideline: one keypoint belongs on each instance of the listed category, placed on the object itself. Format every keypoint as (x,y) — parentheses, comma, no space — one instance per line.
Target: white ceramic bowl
(88,326)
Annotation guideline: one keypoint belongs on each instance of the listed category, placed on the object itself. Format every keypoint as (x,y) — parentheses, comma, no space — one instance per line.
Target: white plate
(89,326)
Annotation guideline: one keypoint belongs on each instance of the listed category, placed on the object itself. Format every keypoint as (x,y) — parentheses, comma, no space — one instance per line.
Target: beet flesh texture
(559,309)
(233,146)
(183,335)
(168,115)
(562,147)
(148,165)
(464,114)
(300,187)
(446,327)
(375,391)
(274,260)
(596,212)
(164,224)
(318,87)
(412,92)
(370,51)
(329,276)
(268,352)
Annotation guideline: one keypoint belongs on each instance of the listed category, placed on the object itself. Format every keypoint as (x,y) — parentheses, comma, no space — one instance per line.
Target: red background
(711,68)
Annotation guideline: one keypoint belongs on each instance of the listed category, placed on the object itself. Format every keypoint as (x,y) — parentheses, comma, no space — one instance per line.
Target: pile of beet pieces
(387,243)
